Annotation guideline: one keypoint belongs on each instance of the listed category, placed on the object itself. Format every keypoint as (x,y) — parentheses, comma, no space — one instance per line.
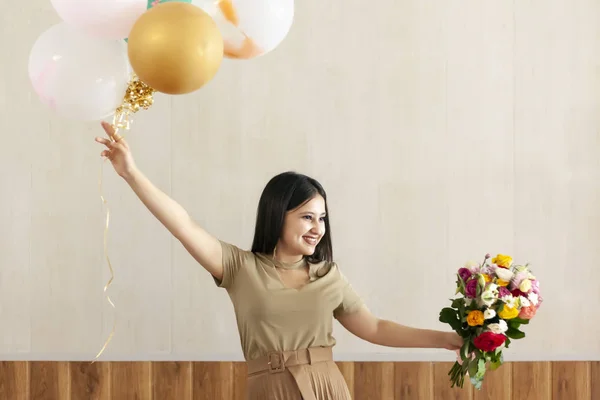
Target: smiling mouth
(310,240)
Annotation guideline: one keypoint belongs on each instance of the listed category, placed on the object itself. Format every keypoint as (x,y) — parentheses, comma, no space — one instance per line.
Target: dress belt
(294,360)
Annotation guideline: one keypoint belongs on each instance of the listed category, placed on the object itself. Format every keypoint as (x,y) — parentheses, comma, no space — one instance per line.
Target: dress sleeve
(351,301)
(233,259)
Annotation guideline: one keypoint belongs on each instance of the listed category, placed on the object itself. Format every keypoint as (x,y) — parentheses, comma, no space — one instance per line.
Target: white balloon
(112,19)
(77,75)
(250,28)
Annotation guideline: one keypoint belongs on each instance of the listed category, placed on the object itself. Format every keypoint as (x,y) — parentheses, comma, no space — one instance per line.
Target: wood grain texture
(172,380)
(227,380)
(570,381)
(531,381)
(595,380)
(14,380)
(90,381)
(441,384)
(498,385)
(413,380)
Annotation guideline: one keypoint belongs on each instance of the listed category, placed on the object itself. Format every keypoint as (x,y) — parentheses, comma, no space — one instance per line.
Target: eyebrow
(312,213)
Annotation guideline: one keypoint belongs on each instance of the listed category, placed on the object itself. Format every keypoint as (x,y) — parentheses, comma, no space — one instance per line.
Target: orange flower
(475,318)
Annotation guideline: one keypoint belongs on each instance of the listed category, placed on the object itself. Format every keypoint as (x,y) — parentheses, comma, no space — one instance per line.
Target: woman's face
(303,229)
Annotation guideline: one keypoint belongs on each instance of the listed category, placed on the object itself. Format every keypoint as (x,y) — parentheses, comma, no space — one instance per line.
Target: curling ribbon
(138,96)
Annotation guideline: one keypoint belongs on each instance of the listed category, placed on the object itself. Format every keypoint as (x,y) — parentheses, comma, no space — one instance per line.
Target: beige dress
(272,317)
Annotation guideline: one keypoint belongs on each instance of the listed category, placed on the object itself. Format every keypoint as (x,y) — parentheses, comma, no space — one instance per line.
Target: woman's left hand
(452,341)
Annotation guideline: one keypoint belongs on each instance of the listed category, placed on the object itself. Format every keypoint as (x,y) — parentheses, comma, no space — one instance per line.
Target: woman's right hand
(117,151)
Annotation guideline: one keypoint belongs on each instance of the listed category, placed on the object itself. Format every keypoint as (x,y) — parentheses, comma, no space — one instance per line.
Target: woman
(286,290)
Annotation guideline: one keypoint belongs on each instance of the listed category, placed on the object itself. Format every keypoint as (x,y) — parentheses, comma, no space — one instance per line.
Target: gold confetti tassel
(137,97)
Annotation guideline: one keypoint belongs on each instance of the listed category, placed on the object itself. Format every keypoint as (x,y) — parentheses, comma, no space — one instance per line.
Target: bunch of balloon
(83,69)
(107,58)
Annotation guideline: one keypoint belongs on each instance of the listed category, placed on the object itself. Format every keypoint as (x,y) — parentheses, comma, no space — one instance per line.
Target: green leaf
(520,321)
(507,343)
(473,368)
(514,333)
(457,303)
(465,350)
(495,365)
(450,316)
(499,360)
(513,324)
(480,368)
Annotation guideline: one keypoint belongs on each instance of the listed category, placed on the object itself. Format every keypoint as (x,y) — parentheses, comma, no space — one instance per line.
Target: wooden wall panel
(226,380)
(14,380)
(412,380)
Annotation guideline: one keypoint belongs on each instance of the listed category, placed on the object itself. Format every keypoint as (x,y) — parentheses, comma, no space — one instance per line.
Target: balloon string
(137,96)
(110,267)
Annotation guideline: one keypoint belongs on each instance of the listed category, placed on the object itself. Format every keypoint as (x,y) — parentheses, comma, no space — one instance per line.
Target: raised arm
(202,246)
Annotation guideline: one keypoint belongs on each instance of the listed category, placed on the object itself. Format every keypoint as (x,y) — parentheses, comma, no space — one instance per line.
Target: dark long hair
(284,192)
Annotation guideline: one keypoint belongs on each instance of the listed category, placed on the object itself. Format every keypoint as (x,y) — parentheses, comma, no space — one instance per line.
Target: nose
(317,229)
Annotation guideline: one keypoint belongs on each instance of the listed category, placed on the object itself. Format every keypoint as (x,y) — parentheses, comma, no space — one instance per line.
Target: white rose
(504,274)
(524,301)
(510,301)
(490,295)
(500,327)
(534,298)
(489,313)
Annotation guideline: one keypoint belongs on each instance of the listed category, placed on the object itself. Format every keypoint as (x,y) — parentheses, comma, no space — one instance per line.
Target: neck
(283,257)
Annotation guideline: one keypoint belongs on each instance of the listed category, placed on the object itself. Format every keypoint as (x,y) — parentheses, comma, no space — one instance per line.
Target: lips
(311,240)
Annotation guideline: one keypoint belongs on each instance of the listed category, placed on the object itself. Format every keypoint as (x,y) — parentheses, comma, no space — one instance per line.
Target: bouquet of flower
(493,300)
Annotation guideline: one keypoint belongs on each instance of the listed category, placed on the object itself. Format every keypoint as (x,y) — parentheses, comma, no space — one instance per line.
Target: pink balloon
(111,19)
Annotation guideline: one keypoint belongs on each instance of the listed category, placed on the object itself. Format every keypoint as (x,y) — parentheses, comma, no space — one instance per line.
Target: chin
(308,251)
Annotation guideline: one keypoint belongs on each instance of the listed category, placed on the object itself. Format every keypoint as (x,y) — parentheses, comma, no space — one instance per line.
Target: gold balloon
(175,48)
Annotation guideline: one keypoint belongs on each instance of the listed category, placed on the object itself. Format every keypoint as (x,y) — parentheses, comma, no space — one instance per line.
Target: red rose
(489,341)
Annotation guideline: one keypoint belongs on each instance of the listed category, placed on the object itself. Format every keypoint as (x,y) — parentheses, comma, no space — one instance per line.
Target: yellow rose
(502,260)
(487,278)
(475,318)
(500,282)
(508,312)
(525,286)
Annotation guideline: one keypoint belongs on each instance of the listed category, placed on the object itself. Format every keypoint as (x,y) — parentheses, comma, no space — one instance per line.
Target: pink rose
(471,288)
(535,286)
(503,292)
(515,282)
(464,274)
(528,312)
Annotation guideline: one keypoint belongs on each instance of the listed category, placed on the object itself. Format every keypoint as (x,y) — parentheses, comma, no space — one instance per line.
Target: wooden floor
(225,380)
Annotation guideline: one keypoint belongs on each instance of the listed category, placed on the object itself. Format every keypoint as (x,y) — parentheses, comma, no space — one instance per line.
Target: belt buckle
(279,362)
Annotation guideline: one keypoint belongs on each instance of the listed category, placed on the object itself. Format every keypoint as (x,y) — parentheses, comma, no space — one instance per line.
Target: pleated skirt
(326,381)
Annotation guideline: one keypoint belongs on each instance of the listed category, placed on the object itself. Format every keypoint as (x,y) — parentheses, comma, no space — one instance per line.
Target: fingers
(114,137)
(104,141)
(111,132)
(108,128)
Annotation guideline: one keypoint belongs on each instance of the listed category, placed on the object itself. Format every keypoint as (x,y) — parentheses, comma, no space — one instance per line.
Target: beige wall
(442,130)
